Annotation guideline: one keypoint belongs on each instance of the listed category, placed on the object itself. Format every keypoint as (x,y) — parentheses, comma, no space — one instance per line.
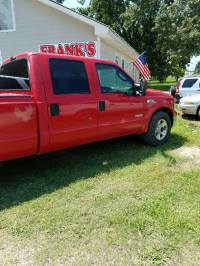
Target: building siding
(37,24)
(110,53)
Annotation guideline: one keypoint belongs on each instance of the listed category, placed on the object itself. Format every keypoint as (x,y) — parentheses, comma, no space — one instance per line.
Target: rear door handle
(102,106)
(54,109)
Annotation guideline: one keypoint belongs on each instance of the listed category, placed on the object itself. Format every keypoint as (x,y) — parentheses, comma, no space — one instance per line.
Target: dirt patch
(189,155)
(13,252)
(188,255)
(188,152)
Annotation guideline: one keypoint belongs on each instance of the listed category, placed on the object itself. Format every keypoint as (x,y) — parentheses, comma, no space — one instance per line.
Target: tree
(167,29)
(197,68)
(177,34)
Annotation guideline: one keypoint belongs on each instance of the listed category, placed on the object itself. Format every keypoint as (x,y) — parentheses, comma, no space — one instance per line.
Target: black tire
(159,129)
(198,113)
(173,91)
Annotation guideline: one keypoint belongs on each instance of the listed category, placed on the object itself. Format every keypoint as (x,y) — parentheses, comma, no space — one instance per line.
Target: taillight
(177,87)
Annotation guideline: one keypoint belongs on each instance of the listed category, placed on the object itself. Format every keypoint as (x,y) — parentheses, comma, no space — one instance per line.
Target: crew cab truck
(50,102)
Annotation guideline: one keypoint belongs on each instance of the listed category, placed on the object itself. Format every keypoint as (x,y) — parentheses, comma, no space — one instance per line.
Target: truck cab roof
(64,56)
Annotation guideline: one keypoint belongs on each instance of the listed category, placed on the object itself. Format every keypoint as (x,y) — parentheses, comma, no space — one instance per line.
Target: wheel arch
(163,109)
(166,110)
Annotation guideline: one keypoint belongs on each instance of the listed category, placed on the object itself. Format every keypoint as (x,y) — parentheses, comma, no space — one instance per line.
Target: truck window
(15,75)
(16,68)
(12,83)
(69,77)
(113,80)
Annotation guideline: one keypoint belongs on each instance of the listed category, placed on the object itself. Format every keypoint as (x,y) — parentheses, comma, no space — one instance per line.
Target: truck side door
(120,111)
(72,103)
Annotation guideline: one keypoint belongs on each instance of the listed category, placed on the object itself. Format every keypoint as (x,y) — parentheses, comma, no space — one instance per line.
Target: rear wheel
(159,129)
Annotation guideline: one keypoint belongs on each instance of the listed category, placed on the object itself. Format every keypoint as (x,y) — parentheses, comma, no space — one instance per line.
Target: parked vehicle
(186,87)
(191,105)
(52,102)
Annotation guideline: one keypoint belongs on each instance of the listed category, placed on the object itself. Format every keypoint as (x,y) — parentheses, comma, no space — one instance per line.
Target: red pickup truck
(51,102)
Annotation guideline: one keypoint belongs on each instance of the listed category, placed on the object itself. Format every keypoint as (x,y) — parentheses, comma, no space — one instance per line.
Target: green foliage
(197,68)
(167,29)
(164,86)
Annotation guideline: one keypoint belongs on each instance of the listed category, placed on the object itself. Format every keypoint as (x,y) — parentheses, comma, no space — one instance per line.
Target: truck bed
(18,126)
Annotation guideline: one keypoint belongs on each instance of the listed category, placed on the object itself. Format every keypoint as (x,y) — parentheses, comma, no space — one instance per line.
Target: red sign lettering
(73,49)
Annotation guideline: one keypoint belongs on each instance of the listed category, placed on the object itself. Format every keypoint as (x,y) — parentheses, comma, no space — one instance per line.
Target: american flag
(142,66)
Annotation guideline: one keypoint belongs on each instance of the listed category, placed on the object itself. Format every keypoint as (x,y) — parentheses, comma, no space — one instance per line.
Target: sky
(74,3)
(193,62)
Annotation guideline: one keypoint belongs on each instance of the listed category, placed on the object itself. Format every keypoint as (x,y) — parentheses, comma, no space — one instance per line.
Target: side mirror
(143,87)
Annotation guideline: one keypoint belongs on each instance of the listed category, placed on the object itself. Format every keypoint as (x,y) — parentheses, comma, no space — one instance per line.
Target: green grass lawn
(164,86)
(118,202)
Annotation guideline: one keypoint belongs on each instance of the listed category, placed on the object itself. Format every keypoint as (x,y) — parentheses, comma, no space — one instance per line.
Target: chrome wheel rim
(161,129)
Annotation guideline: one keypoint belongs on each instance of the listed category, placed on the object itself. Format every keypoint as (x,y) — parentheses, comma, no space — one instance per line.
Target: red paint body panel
(18,127)
(28,128)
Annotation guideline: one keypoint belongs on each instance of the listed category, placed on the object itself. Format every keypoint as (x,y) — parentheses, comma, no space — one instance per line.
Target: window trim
(13,18)
(68,94)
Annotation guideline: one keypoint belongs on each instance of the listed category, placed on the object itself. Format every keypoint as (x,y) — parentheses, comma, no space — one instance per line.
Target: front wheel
(159,129)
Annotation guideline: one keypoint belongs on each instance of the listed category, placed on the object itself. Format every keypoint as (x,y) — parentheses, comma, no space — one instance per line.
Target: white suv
(186,87)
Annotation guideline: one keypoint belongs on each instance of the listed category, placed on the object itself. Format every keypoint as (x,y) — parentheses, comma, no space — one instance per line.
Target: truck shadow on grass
(30,178)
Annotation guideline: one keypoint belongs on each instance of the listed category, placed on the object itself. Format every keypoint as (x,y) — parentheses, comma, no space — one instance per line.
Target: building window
(6,15)
(117,59)
(1,59)
(123,63)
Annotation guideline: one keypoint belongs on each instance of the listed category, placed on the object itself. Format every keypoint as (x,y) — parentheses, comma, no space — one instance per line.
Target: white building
(32,25)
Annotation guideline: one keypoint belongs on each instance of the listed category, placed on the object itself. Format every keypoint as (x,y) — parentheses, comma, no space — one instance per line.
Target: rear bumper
(189,109)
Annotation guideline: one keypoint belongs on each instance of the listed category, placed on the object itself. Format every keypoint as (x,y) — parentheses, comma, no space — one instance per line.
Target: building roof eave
(101,30)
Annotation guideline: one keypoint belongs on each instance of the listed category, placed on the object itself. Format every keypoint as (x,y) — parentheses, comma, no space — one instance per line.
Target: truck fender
(164,109)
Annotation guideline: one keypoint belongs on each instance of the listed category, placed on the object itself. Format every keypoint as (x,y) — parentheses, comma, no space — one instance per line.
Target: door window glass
(6,15)
(114,80)
(69,77)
